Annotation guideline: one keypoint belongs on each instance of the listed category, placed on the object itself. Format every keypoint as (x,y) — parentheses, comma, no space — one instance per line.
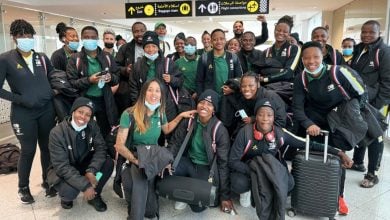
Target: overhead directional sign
(159,9)
(230,7)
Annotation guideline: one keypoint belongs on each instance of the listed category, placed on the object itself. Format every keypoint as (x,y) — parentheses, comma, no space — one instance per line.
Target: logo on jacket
(83,134)
(17,129)
(284,53)
(372,64)
(330,87)
(37,61)
(210,67)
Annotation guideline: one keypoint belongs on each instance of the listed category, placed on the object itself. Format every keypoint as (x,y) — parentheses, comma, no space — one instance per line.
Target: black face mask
(109,45)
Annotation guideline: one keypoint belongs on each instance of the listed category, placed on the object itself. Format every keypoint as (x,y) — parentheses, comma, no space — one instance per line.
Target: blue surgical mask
(152,107)
(90,44)
(25,44)
(161,38)
(189,49)
(151,57)
(316,70)
(73,45)
(347,51)
(76,127)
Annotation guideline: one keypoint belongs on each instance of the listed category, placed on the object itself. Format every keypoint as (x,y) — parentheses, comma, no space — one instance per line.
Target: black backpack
(9,157)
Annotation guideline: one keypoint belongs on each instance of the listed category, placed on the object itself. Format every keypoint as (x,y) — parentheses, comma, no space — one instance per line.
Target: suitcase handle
(326,134)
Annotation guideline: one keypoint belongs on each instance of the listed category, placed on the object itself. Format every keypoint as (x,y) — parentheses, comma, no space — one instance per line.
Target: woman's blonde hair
(139,109)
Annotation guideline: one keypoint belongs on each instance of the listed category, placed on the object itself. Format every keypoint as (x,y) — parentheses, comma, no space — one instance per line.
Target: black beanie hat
(210,96)
(180,36)
(82,101)
(150,37)
(264,103)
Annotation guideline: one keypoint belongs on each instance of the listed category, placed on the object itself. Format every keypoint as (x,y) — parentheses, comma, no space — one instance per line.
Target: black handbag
(186,189)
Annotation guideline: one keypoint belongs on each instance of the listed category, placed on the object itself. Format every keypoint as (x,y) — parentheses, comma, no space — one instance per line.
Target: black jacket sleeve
(76,79)
(201,74)
(294,141)
(287,73)
(383,96)
(298,105)
(223,147)
(60,160)
(237,151)
(99,156)
(264,34)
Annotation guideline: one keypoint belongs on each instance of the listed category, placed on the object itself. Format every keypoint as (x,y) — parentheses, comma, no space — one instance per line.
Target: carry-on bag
(187,189)
(317,182)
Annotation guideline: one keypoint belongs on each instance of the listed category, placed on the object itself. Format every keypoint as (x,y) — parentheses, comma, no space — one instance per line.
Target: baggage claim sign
(203,8)
(159,9)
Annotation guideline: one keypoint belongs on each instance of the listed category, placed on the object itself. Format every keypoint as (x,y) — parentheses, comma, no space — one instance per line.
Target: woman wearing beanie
(260,138)
(79,157)
(141,125)
(153,66)
(202,150)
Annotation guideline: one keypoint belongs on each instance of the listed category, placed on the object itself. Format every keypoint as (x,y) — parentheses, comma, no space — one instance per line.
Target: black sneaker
(25,195)
(358,167)
(66,205)
(98,204)
(50,191)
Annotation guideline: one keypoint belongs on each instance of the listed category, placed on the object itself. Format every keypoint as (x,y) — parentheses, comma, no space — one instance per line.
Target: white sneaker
(113,173)
(245,199)
(180,205)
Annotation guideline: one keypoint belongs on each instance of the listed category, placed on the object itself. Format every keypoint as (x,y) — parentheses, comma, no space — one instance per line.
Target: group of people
(264,101)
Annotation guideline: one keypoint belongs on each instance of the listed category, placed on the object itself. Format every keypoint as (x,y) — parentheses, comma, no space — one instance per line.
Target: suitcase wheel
(291,212)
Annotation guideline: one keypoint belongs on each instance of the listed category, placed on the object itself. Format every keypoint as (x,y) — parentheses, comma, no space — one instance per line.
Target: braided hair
(21,27)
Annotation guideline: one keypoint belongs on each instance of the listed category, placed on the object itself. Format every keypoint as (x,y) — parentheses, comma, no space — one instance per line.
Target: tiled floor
(364,204)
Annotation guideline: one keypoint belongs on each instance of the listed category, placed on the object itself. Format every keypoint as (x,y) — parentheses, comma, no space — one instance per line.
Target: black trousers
(68,193)
(189,169)
(31,126)
(140,193)
(375,151)
(101,115)
(240,183)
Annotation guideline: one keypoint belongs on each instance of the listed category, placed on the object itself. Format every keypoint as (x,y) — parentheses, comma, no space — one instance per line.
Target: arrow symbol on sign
(131,10)
(202,7)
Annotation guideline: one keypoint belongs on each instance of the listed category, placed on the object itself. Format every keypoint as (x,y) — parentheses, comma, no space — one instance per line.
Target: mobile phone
(98,176)
(102,73)
(242,113)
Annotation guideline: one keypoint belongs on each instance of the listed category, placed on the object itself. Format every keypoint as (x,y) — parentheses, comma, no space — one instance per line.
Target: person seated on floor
(79,157)
(261,137)
(235,104)
(140,127)
(202,151)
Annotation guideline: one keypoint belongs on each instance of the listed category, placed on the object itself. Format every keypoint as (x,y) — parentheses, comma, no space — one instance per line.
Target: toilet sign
(159,9)
(230,7)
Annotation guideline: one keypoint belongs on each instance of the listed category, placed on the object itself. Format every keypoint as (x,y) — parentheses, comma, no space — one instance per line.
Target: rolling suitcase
(317,182)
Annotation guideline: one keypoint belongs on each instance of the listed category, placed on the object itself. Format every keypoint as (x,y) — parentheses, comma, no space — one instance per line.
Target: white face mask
(152,107)
(151,57)
(76,127)
(316,71)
